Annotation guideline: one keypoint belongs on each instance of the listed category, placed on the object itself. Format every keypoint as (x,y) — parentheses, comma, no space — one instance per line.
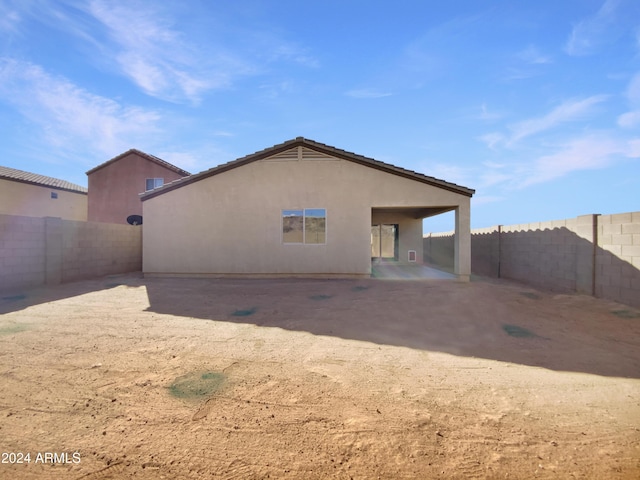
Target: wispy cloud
(479,177)
(568,111)
(9,18)
(492,140)
(631,118)
(450,173)
(145,42)
(157,57)
(589,34)
(71,118)
(368,93)
(488,115)
(532,55)
(526,63)
(293,53)
(590,152)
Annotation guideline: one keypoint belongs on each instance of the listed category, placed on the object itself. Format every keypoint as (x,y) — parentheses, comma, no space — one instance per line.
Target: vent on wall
(412,255)
(299,153)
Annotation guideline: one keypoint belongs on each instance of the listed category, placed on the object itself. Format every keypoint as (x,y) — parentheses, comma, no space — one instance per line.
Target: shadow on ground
(487,318)
(491,319)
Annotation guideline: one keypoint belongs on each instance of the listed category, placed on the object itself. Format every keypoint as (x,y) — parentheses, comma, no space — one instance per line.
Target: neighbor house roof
(151,158)
(318,147)
(21,176)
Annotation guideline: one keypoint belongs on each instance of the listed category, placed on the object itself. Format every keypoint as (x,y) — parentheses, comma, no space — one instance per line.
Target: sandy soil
(184,378)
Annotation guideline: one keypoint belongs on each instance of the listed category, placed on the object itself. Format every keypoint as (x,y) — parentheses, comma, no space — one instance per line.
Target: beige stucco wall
(18,198)
(230,223)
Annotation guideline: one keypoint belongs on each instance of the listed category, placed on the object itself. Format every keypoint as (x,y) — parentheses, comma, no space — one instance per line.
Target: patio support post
(462,246)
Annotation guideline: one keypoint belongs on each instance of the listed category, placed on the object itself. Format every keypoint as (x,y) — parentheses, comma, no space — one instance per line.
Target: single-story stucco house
(300,208)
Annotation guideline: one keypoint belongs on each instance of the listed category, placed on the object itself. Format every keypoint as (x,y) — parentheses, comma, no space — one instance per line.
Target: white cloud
(491,177)
(590,152)
(633,90)
(9,19)
(629,119)
(70,117)
(295,54)
(156,57)
(634,148)
(588,35)
(487,115)
(160,47)
(450,173)
(368,93)
(568,111)
(492,140)
(533,56)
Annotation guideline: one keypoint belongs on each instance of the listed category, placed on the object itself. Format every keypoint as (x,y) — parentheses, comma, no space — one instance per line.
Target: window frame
(304,225)
(155,183)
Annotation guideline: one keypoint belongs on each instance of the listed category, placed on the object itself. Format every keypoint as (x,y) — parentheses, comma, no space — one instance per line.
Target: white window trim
(155,181)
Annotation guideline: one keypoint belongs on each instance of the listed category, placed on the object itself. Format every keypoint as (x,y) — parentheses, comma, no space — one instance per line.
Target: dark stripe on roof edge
(318,147)
(148,156)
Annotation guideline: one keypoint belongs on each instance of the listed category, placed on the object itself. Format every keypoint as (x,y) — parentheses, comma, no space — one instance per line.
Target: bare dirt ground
(195,378)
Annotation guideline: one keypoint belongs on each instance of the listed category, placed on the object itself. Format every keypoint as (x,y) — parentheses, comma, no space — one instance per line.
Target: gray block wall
(592,254)
(37,251)
(22,251)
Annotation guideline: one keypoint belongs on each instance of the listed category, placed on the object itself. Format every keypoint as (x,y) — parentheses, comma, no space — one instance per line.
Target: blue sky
(536,105)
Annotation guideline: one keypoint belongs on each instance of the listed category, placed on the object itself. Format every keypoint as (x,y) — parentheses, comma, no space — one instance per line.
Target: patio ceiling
(415,212)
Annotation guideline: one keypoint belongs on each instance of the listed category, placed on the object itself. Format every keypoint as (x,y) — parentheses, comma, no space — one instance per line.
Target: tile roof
(40,180)
(318,147)
(148,156)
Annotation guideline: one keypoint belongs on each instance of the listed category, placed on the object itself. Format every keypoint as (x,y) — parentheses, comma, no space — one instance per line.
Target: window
(154,183)
(54,194)
(307,225)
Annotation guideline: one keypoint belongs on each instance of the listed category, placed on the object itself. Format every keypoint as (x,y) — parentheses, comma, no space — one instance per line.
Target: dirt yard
(125,377)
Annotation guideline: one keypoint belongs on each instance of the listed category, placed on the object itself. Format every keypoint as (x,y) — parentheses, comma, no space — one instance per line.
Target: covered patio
(397,242)
(386,270)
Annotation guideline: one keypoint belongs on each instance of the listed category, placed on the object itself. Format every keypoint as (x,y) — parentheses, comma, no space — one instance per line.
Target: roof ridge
(318,146)
(146,155)
(380,162)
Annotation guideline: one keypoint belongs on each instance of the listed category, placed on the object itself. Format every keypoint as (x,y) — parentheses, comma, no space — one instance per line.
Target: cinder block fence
(36,251)
(592,254)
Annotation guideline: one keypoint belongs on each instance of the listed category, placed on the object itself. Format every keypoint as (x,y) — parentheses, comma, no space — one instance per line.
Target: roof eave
(151,158)
(44,185)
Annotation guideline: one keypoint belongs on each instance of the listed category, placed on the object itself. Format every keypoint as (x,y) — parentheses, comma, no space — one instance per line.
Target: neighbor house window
(308,225)
(154,183)
(54,194)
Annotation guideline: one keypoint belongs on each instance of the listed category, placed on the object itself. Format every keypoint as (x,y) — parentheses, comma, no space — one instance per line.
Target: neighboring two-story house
(115,186)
